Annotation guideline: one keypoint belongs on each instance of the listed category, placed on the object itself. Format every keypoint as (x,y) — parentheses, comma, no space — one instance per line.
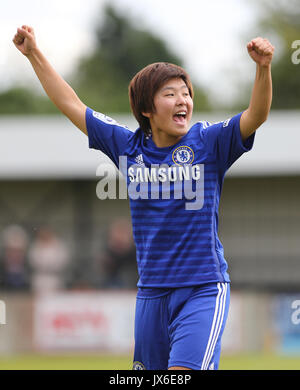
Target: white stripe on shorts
(216,324)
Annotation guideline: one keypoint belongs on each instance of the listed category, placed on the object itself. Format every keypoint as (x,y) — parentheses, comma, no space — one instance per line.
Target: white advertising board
(232,340)
(85,321)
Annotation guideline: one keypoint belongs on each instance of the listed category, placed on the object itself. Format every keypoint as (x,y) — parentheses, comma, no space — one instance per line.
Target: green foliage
(102,78)
(24,101)
(282,19)
(279,21)
(121,50)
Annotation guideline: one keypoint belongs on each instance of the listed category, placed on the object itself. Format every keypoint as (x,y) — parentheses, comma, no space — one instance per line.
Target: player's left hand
(261,51)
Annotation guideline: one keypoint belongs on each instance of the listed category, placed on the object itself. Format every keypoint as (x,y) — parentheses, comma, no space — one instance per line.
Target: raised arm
(58,90)
(261,51)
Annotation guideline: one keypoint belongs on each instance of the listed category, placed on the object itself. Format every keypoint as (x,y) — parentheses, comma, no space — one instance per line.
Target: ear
(146,114)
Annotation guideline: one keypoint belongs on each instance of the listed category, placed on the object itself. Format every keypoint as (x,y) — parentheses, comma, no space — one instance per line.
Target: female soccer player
(174,174)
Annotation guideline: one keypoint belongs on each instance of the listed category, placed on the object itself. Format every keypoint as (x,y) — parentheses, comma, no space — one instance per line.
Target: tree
(122,49)
(101,79)
(280,22)
(21,100)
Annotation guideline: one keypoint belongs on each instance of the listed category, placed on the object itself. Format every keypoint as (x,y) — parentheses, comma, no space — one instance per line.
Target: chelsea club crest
(183,155)
(138,366)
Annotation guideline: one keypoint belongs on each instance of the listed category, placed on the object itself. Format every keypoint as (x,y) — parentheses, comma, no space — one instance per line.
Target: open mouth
(180,117)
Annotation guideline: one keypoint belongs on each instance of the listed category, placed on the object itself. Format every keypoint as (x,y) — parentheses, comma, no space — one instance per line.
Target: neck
(163,140)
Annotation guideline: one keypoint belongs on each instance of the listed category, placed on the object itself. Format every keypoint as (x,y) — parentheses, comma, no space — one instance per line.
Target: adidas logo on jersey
(139,159)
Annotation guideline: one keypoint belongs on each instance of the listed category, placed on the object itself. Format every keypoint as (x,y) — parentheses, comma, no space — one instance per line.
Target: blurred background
(67,259)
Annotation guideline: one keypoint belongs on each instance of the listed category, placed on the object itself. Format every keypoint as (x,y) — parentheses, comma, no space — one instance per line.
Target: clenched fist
(24,40)
(261,51)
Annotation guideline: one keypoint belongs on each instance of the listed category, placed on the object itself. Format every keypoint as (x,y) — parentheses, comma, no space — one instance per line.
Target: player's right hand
(24,40)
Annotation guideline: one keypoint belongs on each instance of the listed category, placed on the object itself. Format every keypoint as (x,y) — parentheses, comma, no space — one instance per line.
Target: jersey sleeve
(224,140)
(106,135)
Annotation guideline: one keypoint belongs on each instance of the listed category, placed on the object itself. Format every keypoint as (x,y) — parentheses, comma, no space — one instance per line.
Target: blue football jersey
(174,195)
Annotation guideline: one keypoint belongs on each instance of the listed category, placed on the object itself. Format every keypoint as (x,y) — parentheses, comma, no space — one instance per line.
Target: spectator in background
(14,267)
(116,267)
(48,258)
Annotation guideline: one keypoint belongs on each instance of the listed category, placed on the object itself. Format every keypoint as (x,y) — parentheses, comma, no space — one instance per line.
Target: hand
(261,51)
(24,40)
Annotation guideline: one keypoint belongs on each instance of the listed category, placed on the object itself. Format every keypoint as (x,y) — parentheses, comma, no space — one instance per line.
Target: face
(173,112)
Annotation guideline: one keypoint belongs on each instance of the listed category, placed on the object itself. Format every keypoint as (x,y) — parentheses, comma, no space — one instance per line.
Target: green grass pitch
(108,362)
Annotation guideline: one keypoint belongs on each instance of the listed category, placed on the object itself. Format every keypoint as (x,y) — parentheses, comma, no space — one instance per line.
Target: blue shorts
(181,327)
